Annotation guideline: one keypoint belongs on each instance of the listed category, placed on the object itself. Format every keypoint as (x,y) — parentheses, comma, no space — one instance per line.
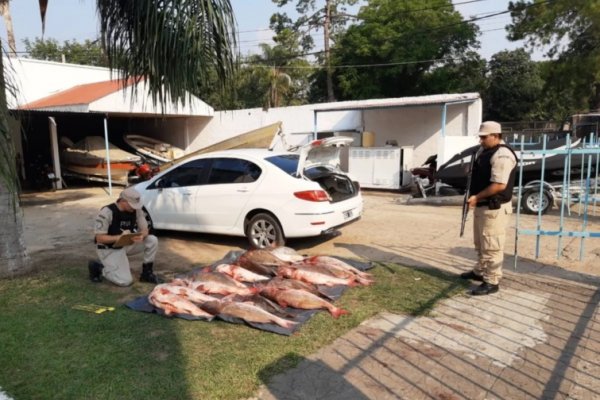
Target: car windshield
(287,162)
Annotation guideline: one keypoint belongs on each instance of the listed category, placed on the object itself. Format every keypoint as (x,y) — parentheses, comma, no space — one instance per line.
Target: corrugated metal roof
(78,95)
(398,102)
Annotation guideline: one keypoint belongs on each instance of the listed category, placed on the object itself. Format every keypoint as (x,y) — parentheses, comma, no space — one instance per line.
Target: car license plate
(347,214)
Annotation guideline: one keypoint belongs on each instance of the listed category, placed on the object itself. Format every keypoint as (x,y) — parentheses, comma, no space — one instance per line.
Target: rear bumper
(323,221)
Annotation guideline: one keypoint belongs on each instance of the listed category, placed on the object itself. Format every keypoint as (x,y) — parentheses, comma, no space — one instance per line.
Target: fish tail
(337,312)
(364,281)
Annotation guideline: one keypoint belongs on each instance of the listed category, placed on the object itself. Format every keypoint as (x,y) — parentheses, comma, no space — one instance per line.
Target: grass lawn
(50,351)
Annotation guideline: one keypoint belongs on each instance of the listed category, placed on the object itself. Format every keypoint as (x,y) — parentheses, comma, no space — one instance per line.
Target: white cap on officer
(133,197)
(489,128)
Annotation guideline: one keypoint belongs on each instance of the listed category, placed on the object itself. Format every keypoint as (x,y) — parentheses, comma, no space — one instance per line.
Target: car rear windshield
(287,162)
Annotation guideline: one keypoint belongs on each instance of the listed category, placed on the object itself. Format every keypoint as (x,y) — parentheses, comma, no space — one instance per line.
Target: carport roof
(114,97)
(437,99)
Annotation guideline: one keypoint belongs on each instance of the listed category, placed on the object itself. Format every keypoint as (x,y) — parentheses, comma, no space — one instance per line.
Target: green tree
(86,53)
(281,76)
(387,53)
(515,85)
(142,39)
(331,16)
(571,30)
(466,73)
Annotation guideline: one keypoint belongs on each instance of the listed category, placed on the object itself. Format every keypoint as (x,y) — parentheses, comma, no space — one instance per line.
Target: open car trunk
(320,162)
(339,186)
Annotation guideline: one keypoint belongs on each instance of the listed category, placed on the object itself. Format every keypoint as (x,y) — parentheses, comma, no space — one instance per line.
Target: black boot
(95,269)
(148,275)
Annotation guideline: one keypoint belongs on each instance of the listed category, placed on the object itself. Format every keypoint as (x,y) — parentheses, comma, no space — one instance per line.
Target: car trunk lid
(319,161)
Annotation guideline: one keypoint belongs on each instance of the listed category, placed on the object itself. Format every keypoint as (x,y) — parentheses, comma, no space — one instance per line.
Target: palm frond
(170,45)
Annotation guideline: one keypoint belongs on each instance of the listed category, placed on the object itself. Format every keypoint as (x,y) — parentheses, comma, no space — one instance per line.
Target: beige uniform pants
(489,234)
(116,264)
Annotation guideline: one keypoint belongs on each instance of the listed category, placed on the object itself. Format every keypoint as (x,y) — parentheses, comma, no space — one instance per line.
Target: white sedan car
(264,195)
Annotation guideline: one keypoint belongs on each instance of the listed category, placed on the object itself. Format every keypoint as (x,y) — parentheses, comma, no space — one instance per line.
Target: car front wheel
(263,230)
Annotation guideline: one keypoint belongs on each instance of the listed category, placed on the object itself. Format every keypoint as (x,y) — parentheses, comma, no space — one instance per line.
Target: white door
(222,200)
(172,200)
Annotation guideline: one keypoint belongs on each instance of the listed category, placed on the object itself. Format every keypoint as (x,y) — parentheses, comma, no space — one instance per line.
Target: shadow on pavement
(317,380)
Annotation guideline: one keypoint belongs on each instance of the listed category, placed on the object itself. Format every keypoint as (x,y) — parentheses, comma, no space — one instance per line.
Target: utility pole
(326,31)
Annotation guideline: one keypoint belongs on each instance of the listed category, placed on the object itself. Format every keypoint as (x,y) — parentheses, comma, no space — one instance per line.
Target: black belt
(483,204)
(103,247)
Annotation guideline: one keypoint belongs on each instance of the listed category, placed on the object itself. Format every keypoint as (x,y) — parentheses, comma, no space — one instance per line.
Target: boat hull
(454,172)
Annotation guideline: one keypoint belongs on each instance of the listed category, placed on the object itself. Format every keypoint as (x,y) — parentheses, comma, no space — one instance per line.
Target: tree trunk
(10,34)
(13,255)
(326,31)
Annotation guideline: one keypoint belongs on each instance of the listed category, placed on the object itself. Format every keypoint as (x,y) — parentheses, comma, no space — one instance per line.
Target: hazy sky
(76,19)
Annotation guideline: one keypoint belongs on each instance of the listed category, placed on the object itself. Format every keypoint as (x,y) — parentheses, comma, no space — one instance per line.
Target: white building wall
(419,126)
(298,123)
(35,79)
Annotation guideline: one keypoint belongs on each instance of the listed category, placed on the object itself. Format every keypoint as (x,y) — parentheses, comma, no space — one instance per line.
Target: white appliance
(381,167)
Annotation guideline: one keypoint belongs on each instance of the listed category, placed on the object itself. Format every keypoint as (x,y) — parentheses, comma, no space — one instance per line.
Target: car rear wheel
(263,230)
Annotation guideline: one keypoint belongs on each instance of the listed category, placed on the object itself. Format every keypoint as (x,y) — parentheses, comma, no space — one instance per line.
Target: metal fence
(579,186)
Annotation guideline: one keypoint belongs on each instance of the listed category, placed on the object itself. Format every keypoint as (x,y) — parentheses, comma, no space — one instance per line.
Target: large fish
(260,261)
(179,287)
(173,304)
(246,311)
(313,276)
(218,283)
(332,269)
(263,303)
(240,274)
(286,254)
(334,262)
(301,299)
(283,283)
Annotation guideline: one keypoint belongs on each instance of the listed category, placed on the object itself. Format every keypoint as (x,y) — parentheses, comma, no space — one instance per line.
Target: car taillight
(312,195)
(356,185)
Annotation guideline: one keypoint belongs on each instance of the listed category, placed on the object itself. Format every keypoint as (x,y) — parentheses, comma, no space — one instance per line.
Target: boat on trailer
(88,158)
(153,149)
(454,171)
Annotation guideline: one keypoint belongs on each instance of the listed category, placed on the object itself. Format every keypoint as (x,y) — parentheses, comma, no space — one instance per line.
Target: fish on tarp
(171,303)
(284,283)
(246,311)
(332,269)
(260,261)
(337,263)
(181,288)
(301,299)
(286,254)
(313,276)
(263,303)
(218,283)
(240,273)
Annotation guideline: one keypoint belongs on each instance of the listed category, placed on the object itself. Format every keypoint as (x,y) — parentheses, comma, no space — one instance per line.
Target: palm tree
(170,45)
(10,34)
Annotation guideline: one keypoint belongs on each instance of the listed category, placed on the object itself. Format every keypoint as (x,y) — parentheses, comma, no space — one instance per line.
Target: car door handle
(186,192)
(243,190)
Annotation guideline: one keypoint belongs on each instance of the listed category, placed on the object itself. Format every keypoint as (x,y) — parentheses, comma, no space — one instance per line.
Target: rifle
(465,209)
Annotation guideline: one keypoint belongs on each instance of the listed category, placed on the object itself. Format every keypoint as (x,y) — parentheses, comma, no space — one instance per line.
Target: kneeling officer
(125,215)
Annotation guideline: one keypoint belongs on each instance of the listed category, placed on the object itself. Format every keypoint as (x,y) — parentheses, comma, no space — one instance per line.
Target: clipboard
(126,239)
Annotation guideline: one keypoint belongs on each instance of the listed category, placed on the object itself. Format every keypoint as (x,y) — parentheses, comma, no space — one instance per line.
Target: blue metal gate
(579,185)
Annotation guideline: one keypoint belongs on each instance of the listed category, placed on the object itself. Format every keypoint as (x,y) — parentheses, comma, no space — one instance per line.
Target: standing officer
(491,194)
(125,215)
